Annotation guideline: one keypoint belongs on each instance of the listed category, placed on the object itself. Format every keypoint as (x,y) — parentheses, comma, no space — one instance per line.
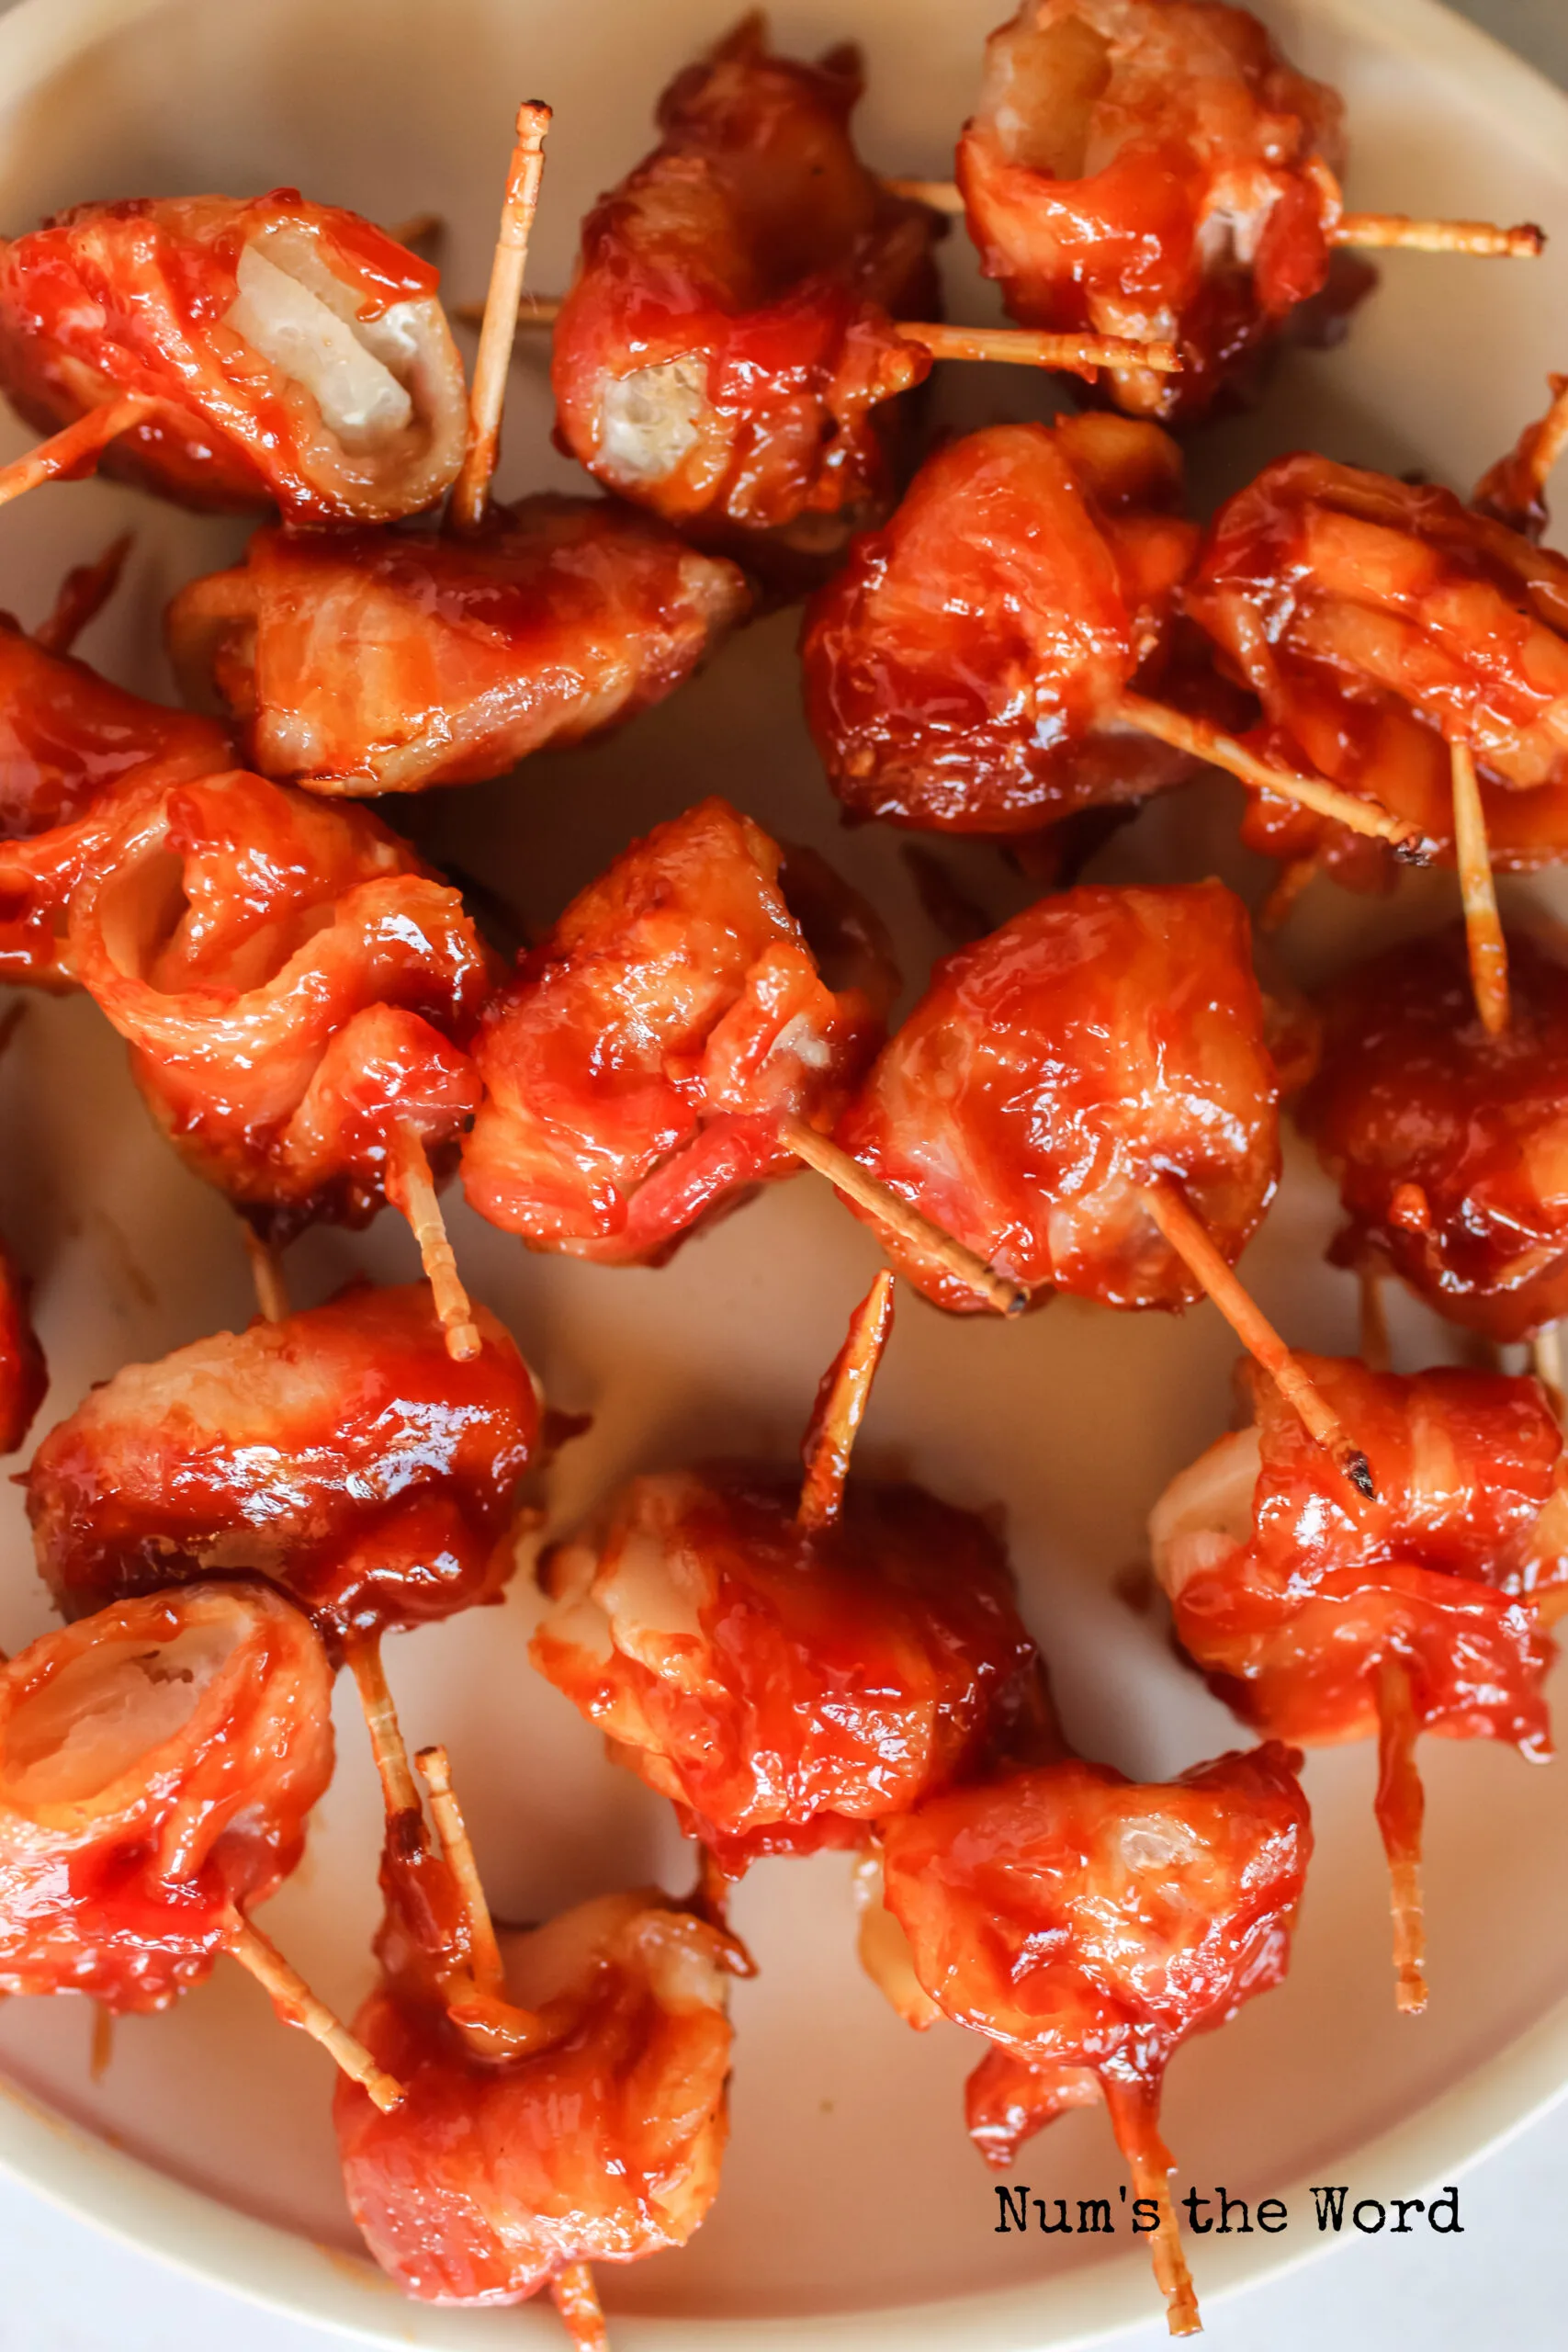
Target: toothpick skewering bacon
(1513,491)
(1415,651)
(1087,1101)
(470,493)
(1318,1622)
(614,2013)
(1085,1925)
(789,1664)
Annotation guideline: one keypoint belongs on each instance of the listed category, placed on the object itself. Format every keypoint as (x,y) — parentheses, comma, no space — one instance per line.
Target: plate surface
(850,2193)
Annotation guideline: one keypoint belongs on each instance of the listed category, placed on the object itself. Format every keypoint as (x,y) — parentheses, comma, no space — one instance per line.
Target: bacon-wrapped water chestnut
(1413,650)
(1379,621)
(1152,168)
(986,663)
(1446,1141)
(791,1665)
(728,347)
(157,1762)
(341,1453)
(233,354)
(299,993)
(565,2086)
(1157,169)
(638,1066)
(1087,1926)
(1085,1102)
(372,661)
(1322,1617)
(1103,1044)
(24,1376)
(964,670)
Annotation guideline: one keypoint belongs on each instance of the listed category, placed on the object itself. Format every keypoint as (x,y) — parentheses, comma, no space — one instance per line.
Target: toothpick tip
(1410,1994)
(1359,1471)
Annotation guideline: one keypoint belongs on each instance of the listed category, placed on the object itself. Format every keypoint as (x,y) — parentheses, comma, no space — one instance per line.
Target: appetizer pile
(999,637)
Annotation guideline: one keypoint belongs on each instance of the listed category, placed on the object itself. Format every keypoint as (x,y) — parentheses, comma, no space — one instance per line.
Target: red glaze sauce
(341,1453)
(788,1686)
(125,1867)
(1153,168)
(963,670)
(1446,1143)
(727,343)
(1290,1605)
(636,1066)
(296,989)
(110,299)
(566,616)
(1104,1040)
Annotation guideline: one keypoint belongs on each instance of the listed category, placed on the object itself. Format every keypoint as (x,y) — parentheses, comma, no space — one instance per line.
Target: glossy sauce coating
(369,663)
(157,1762)
(492,2176)
(296,989)
(24,1376)
(341,1453)
(1081,1921)
(728,342)
(71,744)
(1376,621)
(636,1066)
(788,1686)
(1152,168)
(1448,1145)
(1104,1040)
(1290,1605)
(144,297)
(961,671)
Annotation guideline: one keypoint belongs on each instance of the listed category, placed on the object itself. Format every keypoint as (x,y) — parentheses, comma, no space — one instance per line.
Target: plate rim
(134,2202)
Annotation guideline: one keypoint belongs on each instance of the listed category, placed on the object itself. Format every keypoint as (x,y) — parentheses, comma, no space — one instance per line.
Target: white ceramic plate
(850,2193)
